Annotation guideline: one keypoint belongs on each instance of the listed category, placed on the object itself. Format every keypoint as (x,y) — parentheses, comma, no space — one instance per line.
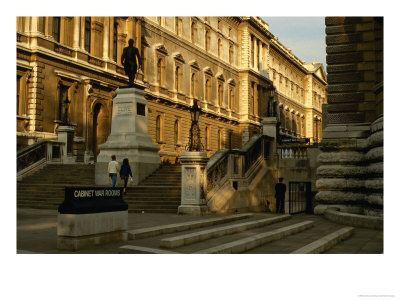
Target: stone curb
(170,228)
(371,222)
(128,249)
(325,243)
(246,244)
(191,238)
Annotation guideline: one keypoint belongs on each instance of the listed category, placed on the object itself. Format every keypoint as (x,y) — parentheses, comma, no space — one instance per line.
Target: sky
(304,35)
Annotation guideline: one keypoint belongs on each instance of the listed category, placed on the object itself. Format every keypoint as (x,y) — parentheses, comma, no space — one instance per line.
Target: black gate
(299,197)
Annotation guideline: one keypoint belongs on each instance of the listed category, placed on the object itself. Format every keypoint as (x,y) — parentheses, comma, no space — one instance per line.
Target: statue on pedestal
(128,59)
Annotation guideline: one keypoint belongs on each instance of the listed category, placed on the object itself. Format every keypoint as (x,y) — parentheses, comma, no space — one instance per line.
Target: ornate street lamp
(194,143)
(66,107)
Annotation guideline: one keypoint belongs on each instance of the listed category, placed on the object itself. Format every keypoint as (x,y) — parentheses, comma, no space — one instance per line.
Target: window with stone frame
(208,89)
(160,71)
(177,25)
(253,98)
(252,51)
(177,132)
(178,78)
(62,96)
(219,25)
(219,48)
(220,94)
(88,33)
(207,40)
(193,85)
(193,32)
(115,41)
(231,101)
(56,28)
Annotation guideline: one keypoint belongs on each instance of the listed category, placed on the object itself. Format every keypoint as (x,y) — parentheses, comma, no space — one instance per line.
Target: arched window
(158,129)
(220,94)
(294,125)
(160,71)
(208,90)
(193,85)
(193,32)
(231,98)
(208,39)
(178,78)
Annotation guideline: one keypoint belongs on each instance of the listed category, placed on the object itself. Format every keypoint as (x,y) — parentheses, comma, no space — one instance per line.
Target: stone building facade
(350,175)
(228,64)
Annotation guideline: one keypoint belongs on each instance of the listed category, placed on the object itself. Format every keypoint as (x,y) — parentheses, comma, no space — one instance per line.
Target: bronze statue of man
(128,59)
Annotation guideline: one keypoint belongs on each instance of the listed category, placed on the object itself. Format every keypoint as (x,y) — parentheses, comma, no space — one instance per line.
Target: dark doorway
(299,197)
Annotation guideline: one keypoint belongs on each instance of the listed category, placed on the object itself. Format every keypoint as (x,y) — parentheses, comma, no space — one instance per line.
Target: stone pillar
(66,136)
(129,138)
(75,43)
(106,39)
(270,129)
(350,175)
(194,174)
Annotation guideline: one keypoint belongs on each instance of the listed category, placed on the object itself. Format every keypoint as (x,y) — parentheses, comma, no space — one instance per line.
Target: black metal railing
(30,155)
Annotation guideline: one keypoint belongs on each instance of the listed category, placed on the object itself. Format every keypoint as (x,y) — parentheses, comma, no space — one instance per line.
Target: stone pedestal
(194,174)
(129,138)
(79,231)
(66,136)
(269,129)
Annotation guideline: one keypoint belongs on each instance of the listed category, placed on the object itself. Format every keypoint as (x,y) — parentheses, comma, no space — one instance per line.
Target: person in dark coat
(280,190)
(125,172)
(128,59)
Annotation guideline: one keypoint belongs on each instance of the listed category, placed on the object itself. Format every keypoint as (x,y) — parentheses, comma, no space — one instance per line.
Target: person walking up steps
(125,172)
(113,168)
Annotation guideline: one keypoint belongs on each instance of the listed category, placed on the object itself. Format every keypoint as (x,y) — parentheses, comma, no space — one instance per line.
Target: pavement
(37,233)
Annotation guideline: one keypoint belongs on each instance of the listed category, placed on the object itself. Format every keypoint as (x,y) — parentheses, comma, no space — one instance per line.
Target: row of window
(194,92)
(178,134)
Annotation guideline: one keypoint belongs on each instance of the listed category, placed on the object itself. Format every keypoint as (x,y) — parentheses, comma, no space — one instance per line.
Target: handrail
(35,156)
(224,164)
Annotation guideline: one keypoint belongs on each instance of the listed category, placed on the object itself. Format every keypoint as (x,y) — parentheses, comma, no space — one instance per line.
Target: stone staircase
(159,193)
(240,233)
(45,188)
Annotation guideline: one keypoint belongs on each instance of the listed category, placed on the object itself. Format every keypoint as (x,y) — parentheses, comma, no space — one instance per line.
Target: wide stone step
(190,238)
(244,244)
(158,211)
(177,227)
(326,242)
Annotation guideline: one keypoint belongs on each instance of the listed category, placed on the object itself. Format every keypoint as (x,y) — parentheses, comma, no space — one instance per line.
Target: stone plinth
(129,138)
(269,129)
(66,136)
(194,174)
(78,231)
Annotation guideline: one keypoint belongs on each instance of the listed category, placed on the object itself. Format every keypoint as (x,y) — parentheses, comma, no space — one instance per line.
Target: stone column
(194,174)
(75,42)
(106,39)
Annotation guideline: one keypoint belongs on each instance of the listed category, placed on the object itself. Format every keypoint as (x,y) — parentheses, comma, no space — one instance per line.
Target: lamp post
(194,143)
